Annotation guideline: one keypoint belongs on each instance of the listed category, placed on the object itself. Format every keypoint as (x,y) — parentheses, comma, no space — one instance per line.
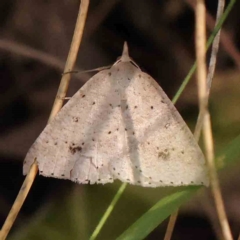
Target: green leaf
(155,215)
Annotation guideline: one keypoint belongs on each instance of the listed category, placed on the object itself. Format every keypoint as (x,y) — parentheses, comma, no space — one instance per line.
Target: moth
(119,125)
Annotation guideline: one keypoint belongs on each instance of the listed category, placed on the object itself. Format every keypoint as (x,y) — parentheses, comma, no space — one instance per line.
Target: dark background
(34,43)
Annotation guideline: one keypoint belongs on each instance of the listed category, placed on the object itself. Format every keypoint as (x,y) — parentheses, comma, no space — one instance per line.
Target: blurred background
(34,43)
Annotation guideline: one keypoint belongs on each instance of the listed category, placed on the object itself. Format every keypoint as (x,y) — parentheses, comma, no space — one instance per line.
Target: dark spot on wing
(151,107)
(140,75)
(55,143)
(83,96)
(75,119)
(135,107)
(109,74)
(109,132)
(93,103)
(164,155)
(182,152)
(73,150)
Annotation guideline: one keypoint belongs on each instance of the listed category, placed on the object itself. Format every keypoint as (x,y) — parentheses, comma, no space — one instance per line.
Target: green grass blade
(155,215)
(108,211)
(168,205)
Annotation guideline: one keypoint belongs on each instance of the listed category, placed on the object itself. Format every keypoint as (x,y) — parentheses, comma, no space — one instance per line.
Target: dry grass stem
(211,71)
(207,131)
(226,40)
(215,187)
(171,225)
(72,55)
(201,44)
(18,202)
(203,92)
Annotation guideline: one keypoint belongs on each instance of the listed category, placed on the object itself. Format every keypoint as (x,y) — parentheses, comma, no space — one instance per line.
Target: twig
(207,130)
(204,88)
(171,225)
(211,70)
(226,40)
(72,55)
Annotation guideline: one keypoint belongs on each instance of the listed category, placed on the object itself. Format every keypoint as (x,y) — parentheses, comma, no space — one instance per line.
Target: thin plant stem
(211,70)
(72,55)
(23,192)
(201,46)
(226,40)
(171,225)
(207,129)
(108,211)
(209,42)
(212,65)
